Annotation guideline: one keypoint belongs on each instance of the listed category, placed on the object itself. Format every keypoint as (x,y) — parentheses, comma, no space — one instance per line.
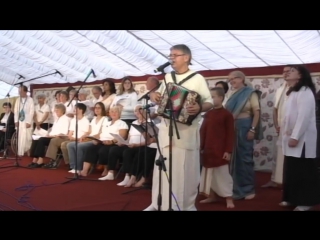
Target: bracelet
(253,131)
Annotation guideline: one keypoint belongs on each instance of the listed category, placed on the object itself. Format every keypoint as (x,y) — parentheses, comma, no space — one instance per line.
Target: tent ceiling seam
(248,48)
(288,46)
(210,50)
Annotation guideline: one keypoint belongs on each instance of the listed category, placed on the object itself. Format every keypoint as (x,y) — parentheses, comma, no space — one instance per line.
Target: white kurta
(300,123)
(278,158)
(24,133)
(185,154)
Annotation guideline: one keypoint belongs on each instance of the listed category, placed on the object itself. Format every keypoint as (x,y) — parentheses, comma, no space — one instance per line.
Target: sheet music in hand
(119,139)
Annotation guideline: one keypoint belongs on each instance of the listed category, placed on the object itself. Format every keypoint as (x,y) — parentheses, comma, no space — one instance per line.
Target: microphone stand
(46,75)
(76,175)
(18,128)
(171,123)
(144,186)
(5,153)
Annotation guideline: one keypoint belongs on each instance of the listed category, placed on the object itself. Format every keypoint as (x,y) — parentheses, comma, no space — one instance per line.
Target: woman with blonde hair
(244,104)
(98,152)
(127,99)
(135,165)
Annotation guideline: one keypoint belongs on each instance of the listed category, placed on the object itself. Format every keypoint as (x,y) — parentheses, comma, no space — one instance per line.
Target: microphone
(163,66)
(20,76)
(150,105)
(59,73)
(94,75)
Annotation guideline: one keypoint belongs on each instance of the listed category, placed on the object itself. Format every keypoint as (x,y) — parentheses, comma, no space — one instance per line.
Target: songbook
(119,139)
(95,139)
(40,132)
(152,128)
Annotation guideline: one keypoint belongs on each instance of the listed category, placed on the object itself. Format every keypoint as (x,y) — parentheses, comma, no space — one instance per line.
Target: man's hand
(4,130)
(226,156)
(132,145)
(28,125)
(155,97)
(193,109)
(16,124)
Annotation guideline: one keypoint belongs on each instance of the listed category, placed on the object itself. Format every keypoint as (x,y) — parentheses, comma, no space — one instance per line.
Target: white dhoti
(24,138)
(218,179)
(278,176)
(278,173)
(185,180)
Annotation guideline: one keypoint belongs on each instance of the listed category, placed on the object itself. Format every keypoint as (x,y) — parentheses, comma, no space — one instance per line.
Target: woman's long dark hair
(304,81)
(112,86)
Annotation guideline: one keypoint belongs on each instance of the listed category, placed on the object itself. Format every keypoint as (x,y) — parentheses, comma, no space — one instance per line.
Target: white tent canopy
(120,53)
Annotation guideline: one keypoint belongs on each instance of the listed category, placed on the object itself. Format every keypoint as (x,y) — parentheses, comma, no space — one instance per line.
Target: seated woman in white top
(133,156)
(127,99)
(76,157)
(41,114)
(98,152)
(60,126)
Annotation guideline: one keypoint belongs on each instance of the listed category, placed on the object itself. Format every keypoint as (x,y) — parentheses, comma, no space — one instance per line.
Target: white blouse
(40,112)
(96,126)
(129,101)
(60,126)
(115,128)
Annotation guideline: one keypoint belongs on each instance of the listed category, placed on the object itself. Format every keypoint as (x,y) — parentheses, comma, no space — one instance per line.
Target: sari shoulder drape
(238,100)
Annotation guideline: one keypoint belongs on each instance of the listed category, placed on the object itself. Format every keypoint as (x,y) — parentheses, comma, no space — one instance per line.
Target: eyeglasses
(175,55)
(232,79)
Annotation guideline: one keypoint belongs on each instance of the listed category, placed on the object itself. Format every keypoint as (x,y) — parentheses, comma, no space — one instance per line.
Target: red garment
(217,134)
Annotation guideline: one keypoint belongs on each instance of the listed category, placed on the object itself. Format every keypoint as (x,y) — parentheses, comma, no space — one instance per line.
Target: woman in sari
(244,104)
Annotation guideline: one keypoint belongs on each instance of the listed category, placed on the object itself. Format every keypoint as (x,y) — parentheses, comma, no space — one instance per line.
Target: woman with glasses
(85,143)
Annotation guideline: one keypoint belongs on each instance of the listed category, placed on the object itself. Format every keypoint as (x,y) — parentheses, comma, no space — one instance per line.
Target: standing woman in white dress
(109,93)
(127,99)
(301,182)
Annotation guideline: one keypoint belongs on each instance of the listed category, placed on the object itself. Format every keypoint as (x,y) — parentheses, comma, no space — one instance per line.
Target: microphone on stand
(163,66)
(20,76)
(94,75)
(59,73)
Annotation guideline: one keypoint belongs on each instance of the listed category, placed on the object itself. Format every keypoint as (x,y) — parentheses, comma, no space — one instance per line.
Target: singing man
(185,151)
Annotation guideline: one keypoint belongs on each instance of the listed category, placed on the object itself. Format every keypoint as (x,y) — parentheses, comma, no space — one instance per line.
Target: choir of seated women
(133,154)
(98,152)
(81,123)
(60,127)
(76,155)
(7,123)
